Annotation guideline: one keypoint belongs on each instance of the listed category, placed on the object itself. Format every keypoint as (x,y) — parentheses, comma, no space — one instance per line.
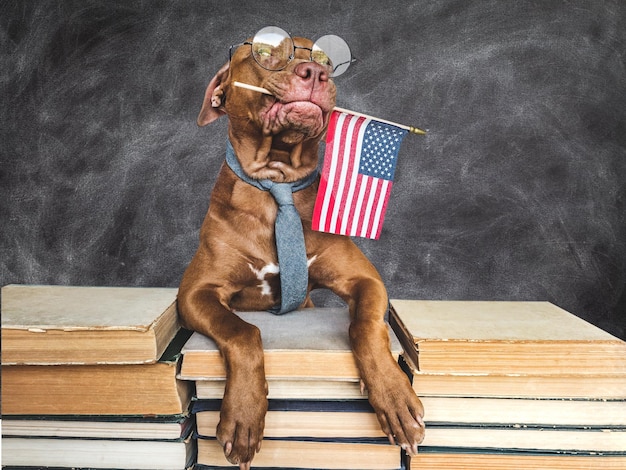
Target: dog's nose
(312,72)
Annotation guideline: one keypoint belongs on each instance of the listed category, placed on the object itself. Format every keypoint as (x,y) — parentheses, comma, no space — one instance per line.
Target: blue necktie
(292,261)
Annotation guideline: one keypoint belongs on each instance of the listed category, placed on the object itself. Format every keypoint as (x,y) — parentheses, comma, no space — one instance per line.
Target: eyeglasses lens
(272,48)
(337,52)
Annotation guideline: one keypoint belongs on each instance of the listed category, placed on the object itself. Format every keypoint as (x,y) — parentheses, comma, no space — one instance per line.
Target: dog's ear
(212,106)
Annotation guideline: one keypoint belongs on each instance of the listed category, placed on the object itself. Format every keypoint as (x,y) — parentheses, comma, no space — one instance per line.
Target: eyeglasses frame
(291,56)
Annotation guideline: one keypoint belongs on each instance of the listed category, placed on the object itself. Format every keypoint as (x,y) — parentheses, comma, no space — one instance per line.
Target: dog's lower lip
(301,116)
(279,98)
(283,102)
(303,103)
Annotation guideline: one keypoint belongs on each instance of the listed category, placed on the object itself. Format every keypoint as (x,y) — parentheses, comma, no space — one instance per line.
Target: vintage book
(330,455)
(478,410)
(98,427)
(528,438)
(109,389)
(44,325)
(177,454)
(283,389)
(525,412)
(434,386)
(309,344)
(355,418)
(503,338)
(607,386)
(438,459)
(302,418)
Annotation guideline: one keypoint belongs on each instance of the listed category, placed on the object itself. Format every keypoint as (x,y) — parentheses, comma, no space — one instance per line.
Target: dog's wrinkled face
(275,136)
(303,96)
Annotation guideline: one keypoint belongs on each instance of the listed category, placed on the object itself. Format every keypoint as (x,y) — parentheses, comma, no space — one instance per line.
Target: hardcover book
(308,344)
(299,454)
(302,418)
(108,389)
(461,459)
(511,437)
(136,454)
(284,389)
(502,338)
(575,386)
(162,427)
(50,325)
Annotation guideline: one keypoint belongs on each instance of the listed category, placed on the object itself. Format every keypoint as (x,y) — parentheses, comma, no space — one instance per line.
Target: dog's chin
(289,138)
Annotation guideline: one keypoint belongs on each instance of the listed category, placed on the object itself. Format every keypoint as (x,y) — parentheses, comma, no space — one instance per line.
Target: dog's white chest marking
(271,268)
(260,275)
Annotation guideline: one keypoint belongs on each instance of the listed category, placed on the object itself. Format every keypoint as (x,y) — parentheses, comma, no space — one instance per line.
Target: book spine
(409,347)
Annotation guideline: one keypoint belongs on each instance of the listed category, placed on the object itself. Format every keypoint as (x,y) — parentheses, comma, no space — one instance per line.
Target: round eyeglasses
(273,48)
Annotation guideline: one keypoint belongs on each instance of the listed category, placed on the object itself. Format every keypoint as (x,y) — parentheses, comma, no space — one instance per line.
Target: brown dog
(276,137)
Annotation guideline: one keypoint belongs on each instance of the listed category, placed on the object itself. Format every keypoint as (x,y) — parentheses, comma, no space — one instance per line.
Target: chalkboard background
(516,193)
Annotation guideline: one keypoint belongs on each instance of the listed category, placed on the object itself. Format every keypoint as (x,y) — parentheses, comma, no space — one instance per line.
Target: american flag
(359,164)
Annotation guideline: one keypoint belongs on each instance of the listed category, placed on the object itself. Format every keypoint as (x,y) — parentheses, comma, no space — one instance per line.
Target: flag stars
(380,149)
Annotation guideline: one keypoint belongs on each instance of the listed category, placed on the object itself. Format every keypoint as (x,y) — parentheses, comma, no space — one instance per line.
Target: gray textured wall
(517,192)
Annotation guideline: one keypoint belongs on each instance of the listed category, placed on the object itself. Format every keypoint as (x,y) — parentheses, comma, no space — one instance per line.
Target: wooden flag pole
(411,129)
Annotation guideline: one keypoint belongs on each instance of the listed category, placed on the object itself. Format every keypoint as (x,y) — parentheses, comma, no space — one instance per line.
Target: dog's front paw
(242,420)
(399,411)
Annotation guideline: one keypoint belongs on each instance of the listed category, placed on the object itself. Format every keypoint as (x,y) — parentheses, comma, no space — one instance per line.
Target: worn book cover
(309,344)
(503,337)
(50,325)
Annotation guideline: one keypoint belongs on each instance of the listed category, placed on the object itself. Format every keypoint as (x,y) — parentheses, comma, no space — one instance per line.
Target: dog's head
(274,136)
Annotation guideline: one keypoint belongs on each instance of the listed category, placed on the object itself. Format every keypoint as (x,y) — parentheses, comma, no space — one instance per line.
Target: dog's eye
(263,50)
(321,58)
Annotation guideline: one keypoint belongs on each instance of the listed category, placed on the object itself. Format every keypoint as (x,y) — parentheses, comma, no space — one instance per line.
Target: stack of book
(509,385)
(89,379)
(318,417)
